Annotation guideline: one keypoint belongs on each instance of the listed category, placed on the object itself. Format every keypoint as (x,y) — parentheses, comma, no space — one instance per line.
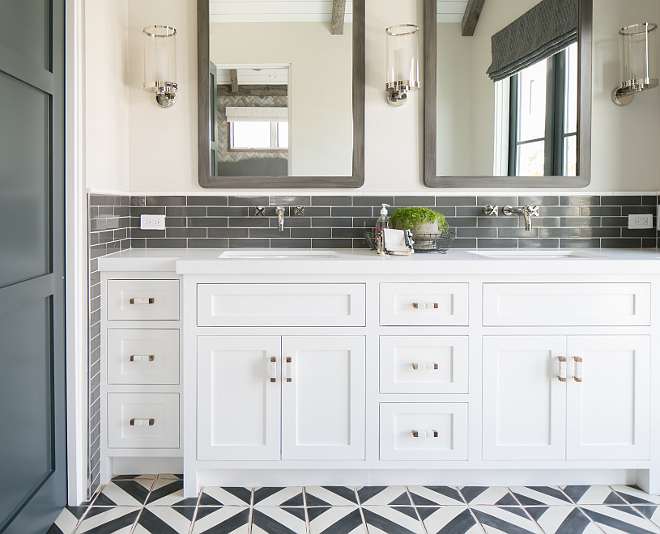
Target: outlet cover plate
(152,222)
(638,221)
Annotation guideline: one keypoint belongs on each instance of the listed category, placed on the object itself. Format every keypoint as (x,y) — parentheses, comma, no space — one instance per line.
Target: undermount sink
(254,254)
(534,254)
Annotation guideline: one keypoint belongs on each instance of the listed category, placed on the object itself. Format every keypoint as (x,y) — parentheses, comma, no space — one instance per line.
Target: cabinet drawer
(423,304)
(143,420)
(143,300)
(424,364)
(280,305)
(571,304)
(423,431)
(143,356)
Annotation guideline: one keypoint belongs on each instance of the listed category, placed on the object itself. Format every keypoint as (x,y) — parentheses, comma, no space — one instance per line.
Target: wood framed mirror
(472,125)
(313,121)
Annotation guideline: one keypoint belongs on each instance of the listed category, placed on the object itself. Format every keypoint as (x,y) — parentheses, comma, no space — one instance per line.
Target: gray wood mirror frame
(431,178)
(208,180)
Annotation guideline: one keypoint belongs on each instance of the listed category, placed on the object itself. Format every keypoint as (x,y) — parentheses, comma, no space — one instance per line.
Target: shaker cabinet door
(323,397)
(608,397)
(238,398)
(524,401)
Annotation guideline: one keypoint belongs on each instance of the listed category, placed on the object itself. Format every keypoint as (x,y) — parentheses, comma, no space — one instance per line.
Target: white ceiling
(451,10)
(275,10)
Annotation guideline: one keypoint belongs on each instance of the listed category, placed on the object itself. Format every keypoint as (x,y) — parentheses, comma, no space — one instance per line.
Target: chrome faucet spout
(280,210)
(526,211)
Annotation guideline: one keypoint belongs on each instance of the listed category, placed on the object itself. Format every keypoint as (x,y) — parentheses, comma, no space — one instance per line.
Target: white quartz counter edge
(358,262)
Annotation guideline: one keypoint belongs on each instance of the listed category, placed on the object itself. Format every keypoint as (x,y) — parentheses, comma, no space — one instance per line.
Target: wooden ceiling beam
(233,75)
(338,13)
(471,16)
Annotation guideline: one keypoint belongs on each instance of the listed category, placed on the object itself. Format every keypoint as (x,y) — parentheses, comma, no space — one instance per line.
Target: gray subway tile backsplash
(338,221)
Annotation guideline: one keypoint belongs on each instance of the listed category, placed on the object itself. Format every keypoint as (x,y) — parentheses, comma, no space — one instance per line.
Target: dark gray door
(32,412)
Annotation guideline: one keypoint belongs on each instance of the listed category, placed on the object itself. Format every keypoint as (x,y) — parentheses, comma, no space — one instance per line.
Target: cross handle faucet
(526,211)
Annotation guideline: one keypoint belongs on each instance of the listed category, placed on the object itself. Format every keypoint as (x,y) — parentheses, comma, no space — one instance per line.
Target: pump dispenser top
(384,219)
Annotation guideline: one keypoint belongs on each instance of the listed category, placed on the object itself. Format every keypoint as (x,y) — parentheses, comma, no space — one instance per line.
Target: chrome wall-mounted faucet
(280,210)
(526,211)
(491,210)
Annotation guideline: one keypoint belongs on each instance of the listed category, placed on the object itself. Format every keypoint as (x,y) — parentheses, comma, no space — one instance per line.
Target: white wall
(163,144)
(106,87)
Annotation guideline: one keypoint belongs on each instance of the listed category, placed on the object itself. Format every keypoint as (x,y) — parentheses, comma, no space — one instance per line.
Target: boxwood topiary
(413,218)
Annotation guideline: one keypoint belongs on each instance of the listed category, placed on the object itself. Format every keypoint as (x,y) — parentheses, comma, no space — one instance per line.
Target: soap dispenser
(382,223)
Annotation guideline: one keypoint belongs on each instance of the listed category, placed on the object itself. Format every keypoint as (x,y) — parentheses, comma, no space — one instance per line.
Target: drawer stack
(142,364)
(426,364)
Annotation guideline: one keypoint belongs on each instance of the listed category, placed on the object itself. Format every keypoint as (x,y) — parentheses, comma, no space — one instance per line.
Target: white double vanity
(336,367)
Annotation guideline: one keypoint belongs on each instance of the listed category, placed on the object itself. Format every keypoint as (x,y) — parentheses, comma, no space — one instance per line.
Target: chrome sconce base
(624,95)
(396,99)
(165,93)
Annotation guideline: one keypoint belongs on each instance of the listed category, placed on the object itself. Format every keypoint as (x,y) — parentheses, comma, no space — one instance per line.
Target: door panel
(25,28)
(25,199)
(32,361)
(240,416)
(524,404)
(323,404)
(608,411)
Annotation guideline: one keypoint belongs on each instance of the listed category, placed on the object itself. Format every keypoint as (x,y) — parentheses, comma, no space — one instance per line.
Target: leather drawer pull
(425,366)
(425,433)
(416,305)
(150,300)
(142,422)
(141,358)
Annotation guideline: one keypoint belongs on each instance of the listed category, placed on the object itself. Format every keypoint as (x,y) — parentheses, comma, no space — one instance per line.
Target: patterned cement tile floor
(155,505)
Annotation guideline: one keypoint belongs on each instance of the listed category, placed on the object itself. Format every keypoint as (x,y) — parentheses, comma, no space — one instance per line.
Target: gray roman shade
(544,30)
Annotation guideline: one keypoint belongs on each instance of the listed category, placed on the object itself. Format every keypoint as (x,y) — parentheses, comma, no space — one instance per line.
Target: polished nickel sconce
(160,64)
(402,62)
(638,67)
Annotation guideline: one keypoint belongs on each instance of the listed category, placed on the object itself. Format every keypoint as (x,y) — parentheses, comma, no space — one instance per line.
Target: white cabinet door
(238,406)
(524,402)
(608,397)
(323,397)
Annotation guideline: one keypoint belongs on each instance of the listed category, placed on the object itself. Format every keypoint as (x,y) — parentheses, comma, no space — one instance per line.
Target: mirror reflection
(282,104)
(507,96)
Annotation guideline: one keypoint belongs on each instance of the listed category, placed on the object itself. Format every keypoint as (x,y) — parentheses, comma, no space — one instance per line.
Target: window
(543,117)
(249,135)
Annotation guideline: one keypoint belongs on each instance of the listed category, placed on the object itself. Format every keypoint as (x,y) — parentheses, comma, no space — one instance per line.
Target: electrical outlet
(639,221)
(152,222)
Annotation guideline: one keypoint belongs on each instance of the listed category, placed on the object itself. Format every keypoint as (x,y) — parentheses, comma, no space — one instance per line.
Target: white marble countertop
(362,261)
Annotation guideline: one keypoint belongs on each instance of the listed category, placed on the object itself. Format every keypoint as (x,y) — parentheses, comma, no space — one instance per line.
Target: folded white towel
(396,243)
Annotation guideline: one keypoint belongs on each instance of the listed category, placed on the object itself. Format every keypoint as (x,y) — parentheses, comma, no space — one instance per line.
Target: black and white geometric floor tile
(392,520)
(562,520)
(511,520)
(592,495)
(124,493)
(540,495)
(215,496)
(274,520)
(488,496)
(225,520)
(650,511)
(116,520)
(165,520)
(169,492)
(383,496)
(330,496)
(435,496)
(278,497)
(336,520)
(68,519)
(449,520)
(135,477)
(620,520)
(636,495)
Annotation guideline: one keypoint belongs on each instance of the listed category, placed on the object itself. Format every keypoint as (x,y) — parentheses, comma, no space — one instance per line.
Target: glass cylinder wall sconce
(160,64)
(638,61)
(402,44)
